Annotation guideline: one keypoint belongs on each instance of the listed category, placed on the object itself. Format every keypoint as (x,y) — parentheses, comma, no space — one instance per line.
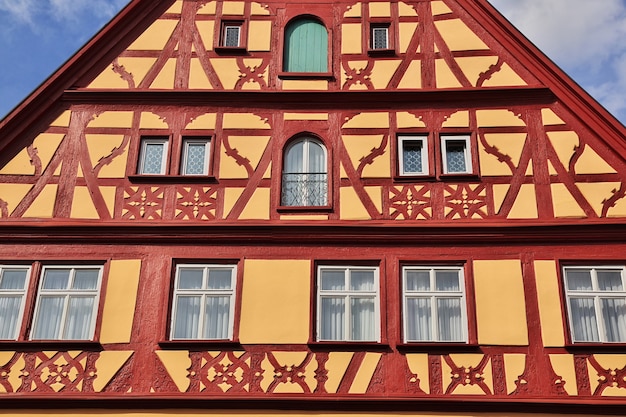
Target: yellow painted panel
(250,147)
(120,301)
(304,217)
(445,76)
(244,121)
(383,71)
(155,37)
(406,120)
(165,79)
(376,194)
(108,364)
(563,366)
(337,365)
(419,365)
(259,205)
(198,79)
(505,77)
(209,8)
(598,192)
(12,194)
(109,79)
(231,195)
(380,9)
(353,10)
(82,205)
(259,35)
(351,206)
(47,145)
(564,203)
(473,67)
(525,206)
(406,10)
(63,120)
(306,116)
(498,118)
(360,146)
(499,194)
(591,163)
(514,366)
(368,120)
(305,85)
(258,9)
(232,7)
(206,29)
(176,8)
(19,165)
(406,30)
(458,119)
(550,117)
(618,210)
(43,205)
(138,67)
(150,120)
(510,144)
(500,307)
(364,374)
(121,119)
(458,36)
(550,308)
(263,319)
(412,77)
(564,143)
(204,121)
(439,7)
(101,146)
(108,193)
(268,172)
(177,363)
(351,38)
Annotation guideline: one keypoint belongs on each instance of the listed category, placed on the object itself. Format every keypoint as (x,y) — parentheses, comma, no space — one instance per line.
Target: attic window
(153,156)
(381,38)
(231,34)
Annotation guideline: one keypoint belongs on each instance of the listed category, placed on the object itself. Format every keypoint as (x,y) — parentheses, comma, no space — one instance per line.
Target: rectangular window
(153,156)
(380,37)
(596,302)
(348,304)
(67,302)
(13,286)
(231,34)
(434,304)
(195,159)
(413,155)
(456,154)
(204,302)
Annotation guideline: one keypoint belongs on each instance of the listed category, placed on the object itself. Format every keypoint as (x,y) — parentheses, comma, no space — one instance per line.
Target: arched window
(306,46)
(305,182)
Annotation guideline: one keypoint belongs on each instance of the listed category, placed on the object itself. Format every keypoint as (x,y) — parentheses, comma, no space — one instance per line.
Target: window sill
(439,347)
(599,347)
(381,52)
(39,345)
(460,177)
(173,179)
(231,50)
(306,76)
(198,344)
(304,209)
(414,178)
(326,346)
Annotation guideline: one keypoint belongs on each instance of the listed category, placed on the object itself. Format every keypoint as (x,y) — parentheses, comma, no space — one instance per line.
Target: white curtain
(584,319)
(78,321)
(614,316)
(9,312)
(449,324)
(48,318)
(294,161)
(187,317)
(216,318)
(333,318)
(363,319)
(419,319)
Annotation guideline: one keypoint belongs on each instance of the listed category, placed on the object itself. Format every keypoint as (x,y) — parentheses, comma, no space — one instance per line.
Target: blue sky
(586,38)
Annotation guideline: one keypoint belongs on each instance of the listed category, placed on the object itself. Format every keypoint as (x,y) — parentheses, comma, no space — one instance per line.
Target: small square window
(13,286)
(456,154)
(380,37)
(596,302)
(67,302)
(348,304)
(204,302)
(413,155)
(153,156)
(195,158)
(231,34)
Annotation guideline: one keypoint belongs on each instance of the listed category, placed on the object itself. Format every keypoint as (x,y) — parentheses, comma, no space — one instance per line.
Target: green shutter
(306,46)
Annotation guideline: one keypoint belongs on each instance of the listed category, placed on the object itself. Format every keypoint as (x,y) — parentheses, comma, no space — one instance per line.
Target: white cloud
(21,10)
(72,10)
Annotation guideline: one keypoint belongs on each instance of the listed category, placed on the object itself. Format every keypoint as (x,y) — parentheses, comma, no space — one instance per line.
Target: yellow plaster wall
(500,306)
(275,304)
(137,67)
(473,67)
(82,205)
(177,363)
(597,193)
(550,117)
(155,37)
(360,146)
(457,119)
(165,79)
(63,120)
(406,30)
(43,205)
(231,195)
(351,38)
(445,76)
(12,194)
(259,35)
(306,116)
(525,206)
(413,75)
(108,365)
(497,118)
(232,7)
(458,36)
(563,366)
(504,77)
(121,119)
(244,121)
(368,120)
(250,147)
(407,120)
(364,374)
(514,366)
(231,413)
(101,146)
(591,163)
(19,165)
(351,206)
(120,300)
(565,205)
(419,365)
(550,308)
(337,365)
(383,71)
(206,29)
(305,85)
(108,79)
(510,144)
(380,9)
(353,10)
(259,205)
(564,143)
(439,7)
(204,121)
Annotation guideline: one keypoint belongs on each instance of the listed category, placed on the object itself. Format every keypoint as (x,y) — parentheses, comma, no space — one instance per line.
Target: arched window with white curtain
(305,178)
(306,46)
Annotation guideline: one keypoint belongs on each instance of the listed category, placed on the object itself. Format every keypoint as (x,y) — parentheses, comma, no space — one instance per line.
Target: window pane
(78,321)
(610,280)
(455,156)
(13,279)
(447,280)
(584,322)
(231,36)
(379,38)
(412,156)
(195,158)
(190,278)
(362,280)
(332,326)
(216,318)
(579,280)
(220,279)
(417,280)
(449,319)
(153,158)
(48,318)
(56,279)
(363,320)
(187,316)
(86,279)
(419,320)
(9,313)
(333,280)
(614,316)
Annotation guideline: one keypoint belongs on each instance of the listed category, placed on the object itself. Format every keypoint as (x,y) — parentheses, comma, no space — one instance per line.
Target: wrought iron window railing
(304,189)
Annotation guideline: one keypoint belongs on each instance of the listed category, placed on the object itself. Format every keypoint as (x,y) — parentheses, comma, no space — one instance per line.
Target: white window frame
(306,162)
(67,293)
(348,295)
(597,296)
(207,149)
(17,293)
(145,141)
(433,294)
(231,25)
(468,153)
(203,293)
(402,139)
(375,28)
